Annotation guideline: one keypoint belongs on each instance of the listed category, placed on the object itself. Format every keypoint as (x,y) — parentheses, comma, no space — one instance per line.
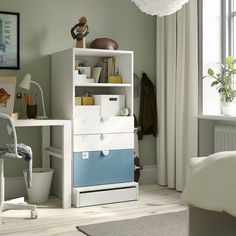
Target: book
(108,68)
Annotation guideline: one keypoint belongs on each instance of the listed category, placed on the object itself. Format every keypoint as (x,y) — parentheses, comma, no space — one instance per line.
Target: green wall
(45,28)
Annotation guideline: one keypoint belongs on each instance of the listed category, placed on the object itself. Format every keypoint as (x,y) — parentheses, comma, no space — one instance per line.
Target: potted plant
(224,84)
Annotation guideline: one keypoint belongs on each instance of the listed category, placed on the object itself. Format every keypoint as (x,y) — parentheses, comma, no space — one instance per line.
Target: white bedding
(211,182)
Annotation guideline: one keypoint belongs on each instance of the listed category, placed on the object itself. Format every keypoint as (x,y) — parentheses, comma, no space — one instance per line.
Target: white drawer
(98,125)
(101,142)
(94,195)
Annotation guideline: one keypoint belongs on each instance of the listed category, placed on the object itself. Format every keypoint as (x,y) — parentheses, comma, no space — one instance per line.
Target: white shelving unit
(104,143)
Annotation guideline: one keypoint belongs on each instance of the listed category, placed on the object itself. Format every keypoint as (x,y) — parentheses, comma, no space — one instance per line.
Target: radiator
(225,138)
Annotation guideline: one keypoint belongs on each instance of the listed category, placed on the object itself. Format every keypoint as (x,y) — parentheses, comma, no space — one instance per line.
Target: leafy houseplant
(224,81)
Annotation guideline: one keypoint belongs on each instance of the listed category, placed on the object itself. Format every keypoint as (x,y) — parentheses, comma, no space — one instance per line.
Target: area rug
(168,224)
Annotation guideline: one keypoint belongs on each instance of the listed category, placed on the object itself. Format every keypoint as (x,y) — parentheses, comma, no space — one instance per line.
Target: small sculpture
(81,29)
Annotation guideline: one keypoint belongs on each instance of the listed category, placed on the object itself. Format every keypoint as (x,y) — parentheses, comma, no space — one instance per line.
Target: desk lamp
(25,84)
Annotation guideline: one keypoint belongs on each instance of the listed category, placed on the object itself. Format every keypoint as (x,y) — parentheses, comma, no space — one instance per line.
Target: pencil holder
(31,111)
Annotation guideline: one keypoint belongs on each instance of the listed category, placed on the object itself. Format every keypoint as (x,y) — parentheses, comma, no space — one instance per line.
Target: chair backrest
(8,132)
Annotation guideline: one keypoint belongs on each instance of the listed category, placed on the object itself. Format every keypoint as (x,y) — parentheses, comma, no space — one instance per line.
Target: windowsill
(216,117)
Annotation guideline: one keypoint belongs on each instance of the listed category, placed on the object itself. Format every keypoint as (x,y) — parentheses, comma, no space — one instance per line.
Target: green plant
(224,81)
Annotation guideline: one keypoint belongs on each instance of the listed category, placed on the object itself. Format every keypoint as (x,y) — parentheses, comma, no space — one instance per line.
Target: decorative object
(96,72)
(81,29)
(25,83)
(9,40)
(104,43)
(14,116)
(7,94)
(160,7)
(124,111)
(224,85)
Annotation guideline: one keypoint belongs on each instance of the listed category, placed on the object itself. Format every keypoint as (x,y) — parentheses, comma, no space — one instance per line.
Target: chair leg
(9,205)
(14,204)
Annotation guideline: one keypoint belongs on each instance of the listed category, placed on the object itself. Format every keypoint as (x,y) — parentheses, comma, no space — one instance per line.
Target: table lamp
(25,84)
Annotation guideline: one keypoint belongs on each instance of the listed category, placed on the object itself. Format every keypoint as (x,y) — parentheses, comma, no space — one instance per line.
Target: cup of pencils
(31,106)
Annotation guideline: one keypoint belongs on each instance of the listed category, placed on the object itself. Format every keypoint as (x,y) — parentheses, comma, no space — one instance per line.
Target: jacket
(148,108)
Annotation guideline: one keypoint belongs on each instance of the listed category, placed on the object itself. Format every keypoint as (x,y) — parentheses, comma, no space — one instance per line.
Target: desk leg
(66,175)
(45,144)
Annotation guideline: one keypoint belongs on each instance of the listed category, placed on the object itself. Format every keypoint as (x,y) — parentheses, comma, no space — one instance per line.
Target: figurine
(81,29)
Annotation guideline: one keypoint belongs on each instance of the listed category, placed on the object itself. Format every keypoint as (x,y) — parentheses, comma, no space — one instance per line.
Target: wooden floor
(53,220)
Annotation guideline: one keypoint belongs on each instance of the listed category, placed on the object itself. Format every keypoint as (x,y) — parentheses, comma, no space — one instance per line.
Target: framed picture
(7,94)
(9,40)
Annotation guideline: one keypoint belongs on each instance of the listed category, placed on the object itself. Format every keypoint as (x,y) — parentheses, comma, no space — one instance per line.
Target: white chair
(10,149)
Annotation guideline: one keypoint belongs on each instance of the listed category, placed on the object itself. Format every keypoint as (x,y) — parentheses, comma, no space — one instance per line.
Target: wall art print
(7,94)
(9,40)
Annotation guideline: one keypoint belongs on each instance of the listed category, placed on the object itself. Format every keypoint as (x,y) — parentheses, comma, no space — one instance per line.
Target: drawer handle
(104,119)
(105,152)
(103,136)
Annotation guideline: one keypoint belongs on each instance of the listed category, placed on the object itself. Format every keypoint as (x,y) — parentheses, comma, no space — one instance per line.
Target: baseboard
(15,187)
(148,175)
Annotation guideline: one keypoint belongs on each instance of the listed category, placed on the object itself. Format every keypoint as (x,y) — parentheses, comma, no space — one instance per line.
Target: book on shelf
(108,68)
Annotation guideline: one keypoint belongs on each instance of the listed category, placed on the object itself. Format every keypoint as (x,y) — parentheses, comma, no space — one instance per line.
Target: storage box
(78,76)
(111,105)
(78,101)
(87,101)
(81,78)
(115,79)
(85,70)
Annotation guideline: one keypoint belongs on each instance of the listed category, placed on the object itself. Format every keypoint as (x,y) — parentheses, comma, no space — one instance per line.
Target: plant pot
(228,108)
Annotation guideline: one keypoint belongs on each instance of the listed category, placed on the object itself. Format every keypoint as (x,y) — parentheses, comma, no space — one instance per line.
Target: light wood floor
(53,220)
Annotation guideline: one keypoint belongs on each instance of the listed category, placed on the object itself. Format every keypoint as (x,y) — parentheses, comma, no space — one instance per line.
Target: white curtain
(177,94)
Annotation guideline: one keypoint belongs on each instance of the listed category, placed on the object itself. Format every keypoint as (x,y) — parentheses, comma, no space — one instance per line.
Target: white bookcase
(102,146)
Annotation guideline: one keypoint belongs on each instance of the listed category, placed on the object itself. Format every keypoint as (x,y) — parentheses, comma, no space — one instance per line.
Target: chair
(10,149)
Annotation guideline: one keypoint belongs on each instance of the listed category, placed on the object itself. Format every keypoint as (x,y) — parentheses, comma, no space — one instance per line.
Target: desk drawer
(117,166)
(97,125)
(96,142)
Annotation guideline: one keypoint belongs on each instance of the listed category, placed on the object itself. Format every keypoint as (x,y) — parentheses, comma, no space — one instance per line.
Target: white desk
(47,151)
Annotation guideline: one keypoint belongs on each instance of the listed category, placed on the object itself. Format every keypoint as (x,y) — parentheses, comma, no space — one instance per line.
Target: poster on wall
(9,40)
(7,94)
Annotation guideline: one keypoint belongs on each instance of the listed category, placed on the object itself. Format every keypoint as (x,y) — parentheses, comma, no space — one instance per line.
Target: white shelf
(104,85)
(217,117)
(99,52)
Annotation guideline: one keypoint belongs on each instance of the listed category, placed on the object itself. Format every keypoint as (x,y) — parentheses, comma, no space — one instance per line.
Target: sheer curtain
(177,94)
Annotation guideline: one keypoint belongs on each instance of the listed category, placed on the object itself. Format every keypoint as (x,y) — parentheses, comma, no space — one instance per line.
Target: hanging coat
(148,108)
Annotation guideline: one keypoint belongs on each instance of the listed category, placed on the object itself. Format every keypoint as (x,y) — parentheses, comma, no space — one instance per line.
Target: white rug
(167,224)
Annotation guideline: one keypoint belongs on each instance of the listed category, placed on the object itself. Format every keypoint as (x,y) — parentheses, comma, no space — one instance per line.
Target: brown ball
(104,43)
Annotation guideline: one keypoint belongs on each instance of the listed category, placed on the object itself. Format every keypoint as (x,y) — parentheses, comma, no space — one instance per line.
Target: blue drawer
(116,167)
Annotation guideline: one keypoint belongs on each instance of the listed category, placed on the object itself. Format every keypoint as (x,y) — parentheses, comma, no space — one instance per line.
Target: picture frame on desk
(9,40)
(7,94)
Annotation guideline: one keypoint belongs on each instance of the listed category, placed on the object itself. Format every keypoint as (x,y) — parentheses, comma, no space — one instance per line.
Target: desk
(64,153)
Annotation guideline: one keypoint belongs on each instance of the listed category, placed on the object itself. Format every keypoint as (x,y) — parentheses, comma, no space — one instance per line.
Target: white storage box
(85,70)
(81,78)
(87,111)
(111,105)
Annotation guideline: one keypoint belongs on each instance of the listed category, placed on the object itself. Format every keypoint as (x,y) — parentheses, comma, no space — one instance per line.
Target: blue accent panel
(117,167)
